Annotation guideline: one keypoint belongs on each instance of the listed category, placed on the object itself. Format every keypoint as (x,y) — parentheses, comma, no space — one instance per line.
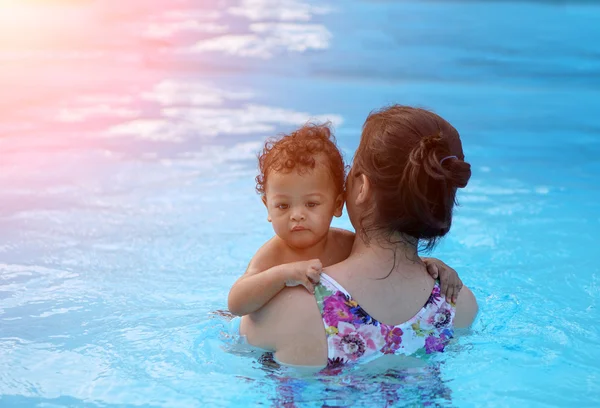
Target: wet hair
(299,150)
(415,162)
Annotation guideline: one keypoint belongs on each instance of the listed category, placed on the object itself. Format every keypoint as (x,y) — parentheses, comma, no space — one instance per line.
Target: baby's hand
(450,283)
(305,273)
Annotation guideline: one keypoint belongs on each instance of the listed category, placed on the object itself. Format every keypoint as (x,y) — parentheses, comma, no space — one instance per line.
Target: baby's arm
(263,280)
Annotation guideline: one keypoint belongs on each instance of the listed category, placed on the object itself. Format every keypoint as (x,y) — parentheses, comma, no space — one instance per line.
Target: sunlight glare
(34,24)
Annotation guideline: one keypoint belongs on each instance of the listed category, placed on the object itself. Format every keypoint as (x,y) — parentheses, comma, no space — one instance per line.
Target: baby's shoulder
(342,235)
(273,246)
(270,251)
(343,240)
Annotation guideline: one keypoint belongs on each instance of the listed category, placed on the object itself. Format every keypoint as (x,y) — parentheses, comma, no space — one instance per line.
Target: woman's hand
(305,273)
(450,283)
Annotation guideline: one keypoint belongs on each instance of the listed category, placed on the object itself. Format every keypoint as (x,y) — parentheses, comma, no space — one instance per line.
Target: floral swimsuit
(353,335)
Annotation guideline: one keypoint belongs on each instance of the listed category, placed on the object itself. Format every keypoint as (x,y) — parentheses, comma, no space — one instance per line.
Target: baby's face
(301,206)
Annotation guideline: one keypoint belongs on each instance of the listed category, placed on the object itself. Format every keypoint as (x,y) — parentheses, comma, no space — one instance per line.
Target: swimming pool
(127,205)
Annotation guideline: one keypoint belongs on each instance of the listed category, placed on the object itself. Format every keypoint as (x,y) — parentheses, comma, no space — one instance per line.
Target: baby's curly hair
(298,150)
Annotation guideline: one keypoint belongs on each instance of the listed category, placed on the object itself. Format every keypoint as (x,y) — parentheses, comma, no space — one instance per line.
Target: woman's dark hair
(415,162)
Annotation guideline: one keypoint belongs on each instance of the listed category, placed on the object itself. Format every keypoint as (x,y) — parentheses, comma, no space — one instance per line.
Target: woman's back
(367,314)
(390,293)
(357,317)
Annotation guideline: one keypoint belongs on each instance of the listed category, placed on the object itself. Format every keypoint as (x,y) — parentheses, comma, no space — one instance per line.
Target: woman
(381,300)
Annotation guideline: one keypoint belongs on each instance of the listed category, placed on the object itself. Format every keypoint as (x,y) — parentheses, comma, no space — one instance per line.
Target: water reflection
(416,386)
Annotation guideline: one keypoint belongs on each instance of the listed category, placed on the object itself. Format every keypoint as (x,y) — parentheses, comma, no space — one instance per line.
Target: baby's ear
(339,205)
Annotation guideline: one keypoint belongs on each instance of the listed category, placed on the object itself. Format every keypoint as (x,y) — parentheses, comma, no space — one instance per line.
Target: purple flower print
(433,344)
(435,296)
(336,310)
(393,339)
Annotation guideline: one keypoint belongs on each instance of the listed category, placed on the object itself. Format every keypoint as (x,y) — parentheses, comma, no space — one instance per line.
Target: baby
(302,186)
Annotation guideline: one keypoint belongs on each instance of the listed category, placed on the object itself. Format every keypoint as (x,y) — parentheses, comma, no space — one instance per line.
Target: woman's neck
(387,253)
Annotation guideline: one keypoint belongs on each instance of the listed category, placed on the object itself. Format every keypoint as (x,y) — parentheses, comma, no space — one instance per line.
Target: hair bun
(434,155)
(459,172)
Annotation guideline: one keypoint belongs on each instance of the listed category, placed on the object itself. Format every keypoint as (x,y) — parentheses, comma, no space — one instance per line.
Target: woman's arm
(290,325)
(466,309)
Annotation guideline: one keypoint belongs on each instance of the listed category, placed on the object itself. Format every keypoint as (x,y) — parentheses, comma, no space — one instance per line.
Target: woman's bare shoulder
(466,308)
(291,325)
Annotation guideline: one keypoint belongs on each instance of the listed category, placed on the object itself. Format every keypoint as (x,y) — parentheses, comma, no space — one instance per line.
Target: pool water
(128,140)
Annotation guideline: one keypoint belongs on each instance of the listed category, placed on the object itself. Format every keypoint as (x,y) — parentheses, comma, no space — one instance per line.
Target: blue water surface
(128,140)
